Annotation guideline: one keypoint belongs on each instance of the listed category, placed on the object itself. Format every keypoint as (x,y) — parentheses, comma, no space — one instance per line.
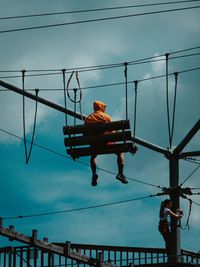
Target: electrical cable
(174,108)
(195,188)
(98,67)
(81,162)
(24,119)
(34,126)
(167,95)
(99,19)
(65,97)
(190,175)
(89,68)
(28,154)
(102,66)
(75,100)
(79,209)
(193,160)
(184,50)
(183,56)
(188,218)
(126,87)
(132,62)
(135,108)
(95,10)
(110,84)
(31,75)
(195,203)
(189,213)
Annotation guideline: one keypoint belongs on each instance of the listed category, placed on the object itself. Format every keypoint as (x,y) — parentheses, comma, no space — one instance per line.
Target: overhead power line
(196,169)
(96,9)
(58,71)
(80,209)
(145,60)
(184,50)
(100,19)
(196,203)
(195,188)
(81,162)
(106,85)
(192,160)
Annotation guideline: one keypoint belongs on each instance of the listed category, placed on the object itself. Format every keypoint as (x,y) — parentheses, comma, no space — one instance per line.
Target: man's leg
(120,164)
(93,164)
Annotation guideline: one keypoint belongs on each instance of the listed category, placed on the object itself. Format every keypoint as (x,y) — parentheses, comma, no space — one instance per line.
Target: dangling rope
(79,86)
(135,108)
(24,119)
(28,154)
(68,82)
(174,107)
(65,96)
(34,126)
(188,218)
(74,100)
(167,95)
(126,87)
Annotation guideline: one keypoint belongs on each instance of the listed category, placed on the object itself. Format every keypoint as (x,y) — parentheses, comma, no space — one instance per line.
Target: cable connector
(125,70)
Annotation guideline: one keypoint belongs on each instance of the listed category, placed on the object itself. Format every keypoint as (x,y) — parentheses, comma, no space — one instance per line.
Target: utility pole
(175,198)
(176,191)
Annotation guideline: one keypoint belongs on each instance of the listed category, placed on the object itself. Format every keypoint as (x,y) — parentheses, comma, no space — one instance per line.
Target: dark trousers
(165,232)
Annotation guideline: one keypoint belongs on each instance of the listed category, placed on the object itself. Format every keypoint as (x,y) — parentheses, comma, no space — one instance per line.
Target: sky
(52,181)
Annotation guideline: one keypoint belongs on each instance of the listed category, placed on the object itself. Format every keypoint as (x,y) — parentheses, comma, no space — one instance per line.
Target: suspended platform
(99,138)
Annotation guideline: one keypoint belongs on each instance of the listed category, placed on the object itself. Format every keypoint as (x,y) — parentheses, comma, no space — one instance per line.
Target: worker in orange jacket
(99,115)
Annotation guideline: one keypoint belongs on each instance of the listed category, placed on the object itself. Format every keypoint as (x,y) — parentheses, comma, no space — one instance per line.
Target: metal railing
(29,256)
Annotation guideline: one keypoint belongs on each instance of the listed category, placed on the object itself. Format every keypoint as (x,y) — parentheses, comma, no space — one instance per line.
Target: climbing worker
(164,224)
(100,116)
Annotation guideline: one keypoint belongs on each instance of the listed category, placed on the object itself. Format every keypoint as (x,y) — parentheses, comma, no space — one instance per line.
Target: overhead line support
(42,100)
(190,154)
(187,138)
(151,146)
(175,190)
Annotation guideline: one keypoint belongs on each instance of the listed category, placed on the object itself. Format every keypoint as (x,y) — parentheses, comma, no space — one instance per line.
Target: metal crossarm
(42,100)
(187,138)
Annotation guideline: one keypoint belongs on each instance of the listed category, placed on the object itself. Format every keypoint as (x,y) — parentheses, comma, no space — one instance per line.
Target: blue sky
(54,183)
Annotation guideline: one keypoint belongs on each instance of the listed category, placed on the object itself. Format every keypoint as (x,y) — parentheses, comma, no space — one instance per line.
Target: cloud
(53,183)
(194,221)
(37,55)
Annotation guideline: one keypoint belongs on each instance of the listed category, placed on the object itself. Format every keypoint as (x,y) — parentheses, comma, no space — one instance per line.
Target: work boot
(94,180)
(122,178)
